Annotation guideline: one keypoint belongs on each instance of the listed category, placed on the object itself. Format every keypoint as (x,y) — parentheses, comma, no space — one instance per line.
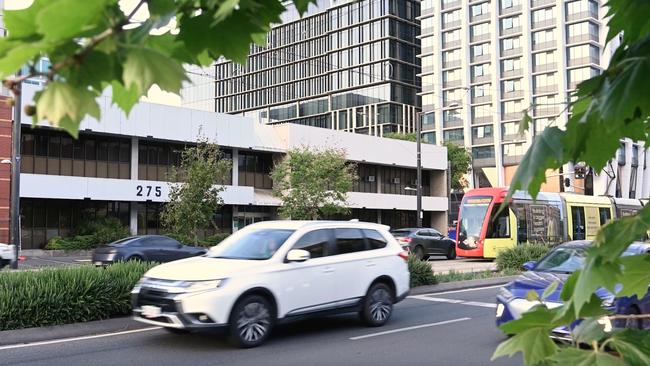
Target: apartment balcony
(449,25)
(512,95)
(480,79)
(452,122)
(428,88)
(480,37)
(449,5)
(482,99)
(582,15)
(512,10)
(544,45)
(545,89)
(451,83)
(513,137)
(512,73)
(481,120)
(451,102)
(511,116)
(582,38)
(574,84)
(425,12)
(583,61)
(427,30)
(512,160)
(446,45)
(482,140)
(538,3)
(546,111)
(451,64)
(509,31)
(480,17)
(480,58)
(427,69)
(427,50)
(545,67)
(511,52)
(483,162)
(543,23)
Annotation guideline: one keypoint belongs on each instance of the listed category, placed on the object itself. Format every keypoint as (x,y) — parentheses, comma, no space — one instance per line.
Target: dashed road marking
(406,329)
(454,301)
(74,339)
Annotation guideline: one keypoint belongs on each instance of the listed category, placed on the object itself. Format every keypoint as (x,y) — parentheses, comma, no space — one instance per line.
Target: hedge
(66,295)
(421,272)
(512,259)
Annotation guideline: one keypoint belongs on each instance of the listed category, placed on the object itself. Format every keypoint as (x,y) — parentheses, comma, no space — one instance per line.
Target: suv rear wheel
(377,305)
(251,321)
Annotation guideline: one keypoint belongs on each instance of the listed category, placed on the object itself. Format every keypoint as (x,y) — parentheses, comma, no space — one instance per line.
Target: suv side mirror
(298,255)
(528,266)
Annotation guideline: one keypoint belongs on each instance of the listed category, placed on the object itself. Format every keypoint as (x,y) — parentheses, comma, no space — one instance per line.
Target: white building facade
(118,167)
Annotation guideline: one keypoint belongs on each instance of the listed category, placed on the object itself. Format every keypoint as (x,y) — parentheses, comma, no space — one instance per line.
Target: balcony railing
(583,61)
(544,45)
(538,3)
(454,24)
(481,120)
(428,30)
(450,4)
(512,94)
(509,31)
(484,57)
(425,12)
(479,17)
(428,88)
(511,10)
(511,116)
(450,102)
(427,50)
(511,73)
(582,38)
(482,140)
(581,15)
(545,89)
(511,52)
(450,64)
(480,37)
(513,137)
(452,122)
(427,69)
(482,78)
(450,44)
(544,23)
(451,83)
(512,160)
(482,99)
(483,162)
(548,111)
(544,67)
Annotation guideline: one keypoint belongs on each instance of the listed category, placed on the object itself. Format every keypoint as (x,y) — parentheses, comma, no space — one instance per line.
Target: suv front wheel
(377,305)
(251,321)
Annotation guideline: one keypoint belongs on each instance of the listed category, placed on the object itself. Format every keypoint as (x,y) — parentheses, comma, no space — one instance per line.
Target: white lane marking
(65,340)
(408,328)
(453,301)
(458,291)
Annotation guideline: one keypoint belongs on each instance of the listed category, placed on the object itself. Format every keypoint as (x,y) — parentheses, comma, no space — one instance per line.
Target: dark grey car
(155,248)
(425,242)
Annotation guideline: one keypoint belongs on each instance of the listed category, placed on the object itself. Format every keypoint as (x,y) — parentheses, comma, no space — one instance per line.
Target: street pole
(15,176)
(418,127)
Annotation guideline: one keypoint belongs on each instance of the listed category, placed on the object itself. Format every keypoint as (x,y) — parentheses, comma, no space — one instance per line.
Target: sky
(155,95)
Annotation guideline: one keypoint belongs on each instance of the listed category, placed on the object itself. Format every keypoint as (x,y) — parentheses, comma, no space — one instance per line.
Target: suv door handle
(328,270)
(370,264)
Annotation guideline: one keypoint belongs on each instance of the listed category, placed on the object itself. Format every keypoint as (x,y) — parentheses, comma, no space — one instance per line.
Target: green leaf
(145,67)
(545,153)
(550,290)
(22,23)
(525,122)
(303,5)
(537,317)
(636,275)
(628,17)
(532,295)
(615,237)
(633,345)
(60,100)
(534,343)
(98,68)
(123,97)
(225,9)
(161,7)
(594,275)
(578,357)
(63,19)
(588,331)
(17,57)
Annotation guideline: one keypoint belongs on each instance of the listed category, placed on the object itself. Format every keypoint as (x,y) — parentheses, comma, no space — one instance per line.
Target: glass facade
(345,49)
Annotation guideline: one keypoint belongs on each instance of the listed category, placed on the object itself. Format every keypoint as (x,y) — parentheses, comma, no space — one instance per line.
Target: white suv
(275,271)
(6,254)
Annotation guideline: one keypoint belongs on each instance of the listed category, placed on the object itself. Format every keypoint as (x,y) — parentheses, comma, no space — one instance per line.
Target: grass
(453,276)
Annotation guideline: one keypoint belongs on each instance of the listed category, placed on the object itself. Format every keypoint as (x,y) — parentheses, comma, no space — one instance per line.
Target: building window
(255,169)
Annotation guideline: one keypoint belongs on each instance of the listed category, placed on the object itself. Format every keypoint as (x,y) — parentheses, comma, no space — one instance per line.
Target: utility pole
(15,176)
(418,127)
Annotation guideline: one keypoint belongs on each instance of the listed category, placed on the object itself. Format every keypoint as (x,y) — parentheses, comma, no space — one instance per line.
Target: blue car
(557,265)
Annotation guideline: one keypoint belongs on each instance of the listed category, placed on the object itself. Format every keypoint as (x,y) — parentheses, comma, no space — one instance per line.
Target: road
(453,328)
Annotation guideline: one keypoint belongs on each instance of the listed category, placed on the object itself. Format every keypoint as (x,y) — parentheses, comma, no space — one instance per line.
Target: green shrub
(105,229)
(210,241)
(66,295)
(515,257)
(421,272)
(79,242)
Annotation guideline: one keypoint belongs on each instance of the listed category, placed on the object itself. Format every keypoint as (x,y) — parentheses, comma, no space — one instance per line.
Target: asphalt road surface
(449,328)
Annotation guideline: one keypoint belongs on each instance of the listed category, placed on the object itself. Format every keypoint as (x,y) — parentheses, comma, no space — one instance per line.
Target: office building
(118,167)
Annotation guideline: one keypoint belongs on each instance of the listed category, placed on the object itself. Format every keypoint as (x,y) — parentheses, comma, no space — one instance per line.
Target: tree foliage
(605,109)
(460,163)
(313,183)
(402,136)
(94,45)
(193,203)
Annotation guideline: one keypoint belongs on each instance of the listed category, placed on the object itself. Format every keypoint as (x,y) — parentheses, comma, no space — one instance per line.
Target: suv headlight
(194,286)
(505,293)
(138,284)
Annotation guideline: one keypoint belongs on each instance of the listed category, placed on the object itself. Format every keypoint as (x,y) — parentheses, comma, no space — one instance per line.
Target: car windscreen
(122,242)
(257,244)
(563,260)
(400,233)
(472,216)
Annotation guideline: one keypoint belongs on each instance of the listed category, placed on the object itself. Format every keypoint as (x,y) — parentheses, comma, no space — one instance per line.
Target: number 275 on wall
(146,191)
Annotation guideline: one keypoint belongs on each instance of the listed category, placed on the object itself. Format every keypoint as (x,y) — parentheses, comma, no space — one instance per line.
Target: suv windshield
(472,216)
(400,233)
(251,244)
(563,260)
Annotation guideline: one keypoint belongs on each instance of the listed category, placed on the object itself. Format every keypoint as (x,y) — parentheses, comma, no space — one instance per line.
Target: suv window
(375,239)
(315,242)
(423,233)
(349,241)
(434,232)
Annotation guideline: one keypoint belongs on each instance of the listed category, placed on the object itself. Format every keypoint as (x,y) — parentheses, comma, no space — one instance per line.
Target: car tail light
(404,255)
(405,240)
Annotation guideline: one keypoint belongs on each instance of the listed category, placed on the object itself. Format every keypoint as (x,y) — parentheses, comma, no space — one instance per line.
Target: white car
(6,254)
(275,271)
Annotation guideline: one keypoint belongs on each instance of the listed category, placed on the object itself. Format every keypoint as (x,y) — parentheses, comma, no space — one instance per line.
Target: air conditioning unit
(395,181)
(370,178)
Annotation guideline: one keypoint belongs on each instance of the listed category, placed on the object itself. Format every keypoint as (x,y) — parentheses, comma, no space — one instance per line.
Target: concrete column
(135,160)
(235,167)
(626,171)
(379,216)
(640,170)
(646,175)
(378,179)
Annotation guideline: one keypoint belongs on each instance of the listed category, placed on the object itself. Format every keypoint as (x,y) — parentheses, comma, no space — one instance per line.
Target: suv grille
(156,298)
